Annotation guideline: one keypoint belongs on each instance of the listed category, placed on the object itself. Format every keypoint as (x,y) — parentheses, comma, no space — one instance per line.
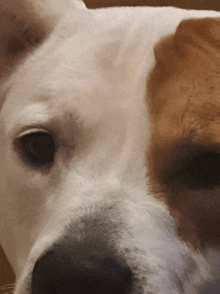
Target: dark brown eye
(37,149)
(200,171)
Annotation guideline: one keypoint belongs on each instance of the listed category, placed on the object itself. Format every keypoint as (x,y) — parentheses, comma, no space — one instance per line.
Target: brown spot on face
(184,99)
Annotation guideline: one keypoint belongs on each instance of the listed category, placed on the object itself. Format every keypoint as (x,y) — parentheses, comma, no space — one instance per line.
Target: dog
(109,148)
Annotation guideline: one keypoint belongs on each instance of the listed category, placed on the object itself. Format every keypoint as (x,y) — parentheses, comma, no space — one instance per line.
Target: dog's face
(109,156)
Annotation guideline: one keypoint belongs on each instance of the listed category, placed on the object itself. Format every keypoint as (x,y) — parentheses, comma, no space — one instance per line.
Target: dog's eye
(37,148)
(200,171)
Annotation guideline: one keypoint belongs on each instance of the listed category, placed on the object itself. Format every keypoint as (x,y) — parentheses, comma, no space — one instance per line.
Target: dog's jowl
(110,148)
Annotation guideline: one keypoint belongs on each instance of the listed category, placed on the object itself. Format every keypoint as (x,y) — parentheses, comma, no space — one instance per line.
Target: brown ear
(192,37)
(201,33)
(195,47)
(23,25)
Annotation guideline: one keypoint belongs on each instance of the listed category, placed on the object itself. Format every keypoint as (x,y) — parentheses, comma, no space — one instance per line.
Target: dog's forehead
(93,61)
(99,69)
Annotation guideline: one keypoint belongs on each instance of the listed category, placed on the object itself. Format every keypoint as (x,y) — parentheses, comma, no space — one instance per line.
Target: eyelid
(33,130)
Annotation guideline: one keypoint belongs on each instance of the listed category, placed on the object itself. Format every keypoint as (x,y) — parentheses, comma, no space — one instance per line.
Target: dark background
(189,4)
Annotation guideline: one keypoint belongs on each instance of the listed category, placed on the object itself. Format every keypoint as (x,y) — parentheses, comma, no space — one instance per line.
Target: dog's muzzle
(80,269)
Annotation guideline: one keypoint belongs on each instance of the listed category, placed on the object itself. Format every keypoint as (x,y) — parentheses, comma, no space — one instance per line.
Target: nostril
(56,273)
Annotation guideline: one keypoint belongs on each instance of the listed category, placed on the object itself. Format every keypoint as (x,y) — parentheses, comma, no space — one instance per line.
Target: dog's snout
(66,272)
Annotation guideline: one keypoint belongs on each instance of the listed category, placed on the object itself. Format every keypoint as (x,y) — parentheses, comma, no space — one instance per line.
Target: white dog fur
(82,75)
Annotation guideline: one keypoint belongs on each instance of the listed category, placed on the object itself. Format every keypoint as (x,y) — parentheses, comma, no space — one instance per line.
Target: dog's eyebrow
(197,135)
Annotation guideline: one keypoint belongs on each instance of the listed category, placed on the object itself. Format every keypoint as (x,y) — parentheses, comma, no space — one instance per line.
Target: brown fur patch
(184,100)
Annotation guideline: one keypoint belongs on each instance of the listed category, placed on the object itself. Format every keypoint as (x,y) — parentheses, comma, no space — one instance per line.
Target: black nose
(63,271)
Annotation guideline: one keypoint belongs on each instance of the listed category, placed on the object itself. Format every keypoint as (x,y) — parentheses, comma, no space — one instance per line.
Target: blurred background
(6,273)
(188,4)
